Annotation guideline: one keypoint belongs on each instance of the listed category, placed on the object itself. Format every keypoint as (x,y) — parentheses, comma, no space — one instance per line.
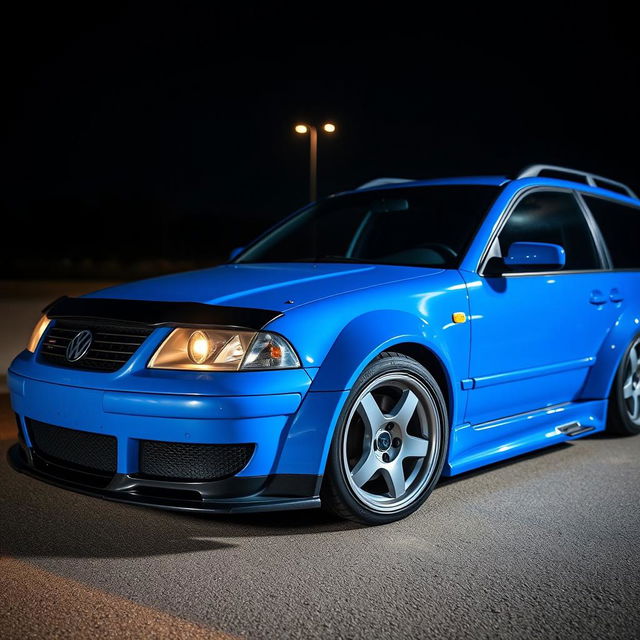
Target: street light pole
(313,153)
(313,164)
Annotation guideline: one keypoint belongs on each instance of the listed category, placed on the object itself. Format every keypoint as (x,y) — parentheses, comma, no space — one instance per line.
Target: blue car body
(535,354)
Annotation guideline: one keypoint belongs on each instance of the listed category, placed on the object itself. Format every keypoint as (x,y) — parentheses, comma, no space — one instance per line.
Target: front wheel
(390,443)
(624,401)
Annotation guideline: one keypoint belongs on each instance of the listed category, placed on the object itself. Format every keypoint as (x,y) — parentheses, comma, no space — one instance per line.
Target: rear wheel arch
(622,414)
(601,378)
(621,352)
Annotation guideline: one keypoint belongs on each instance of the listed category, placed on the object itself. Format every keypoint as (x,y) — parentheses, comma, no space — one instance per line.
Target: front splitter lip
(251,504)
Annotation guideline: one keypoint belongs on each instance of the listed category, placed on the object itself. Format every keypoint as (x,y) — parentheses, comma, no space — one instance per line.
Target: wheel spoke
(627,390)
(635,410)
(404,409)
(393,475)
(633,360)
(365,469)
(413,447)
(376,442)
(371,415)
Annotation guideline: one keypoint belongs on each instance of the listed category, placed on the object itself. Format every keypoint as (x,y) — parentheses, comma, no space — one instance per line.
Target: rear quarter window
(620,227)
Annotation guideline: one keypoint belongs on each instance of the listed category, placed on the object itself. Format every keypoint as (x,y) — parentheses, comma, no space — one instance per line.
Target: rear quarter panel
(623,330)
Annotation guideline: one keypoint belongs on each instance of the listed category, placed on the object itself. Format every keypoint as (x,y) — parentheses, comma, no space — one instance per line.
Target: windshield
(417,226)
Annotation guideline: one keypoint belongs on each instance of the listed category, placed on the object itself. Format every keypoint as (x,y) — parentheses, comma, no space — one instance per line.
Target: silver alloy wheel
(391,442)
(631,386)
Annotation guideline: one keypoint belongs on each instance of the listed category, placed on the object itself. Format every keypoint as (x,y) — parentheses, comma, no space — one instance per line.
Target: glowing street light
(327,127)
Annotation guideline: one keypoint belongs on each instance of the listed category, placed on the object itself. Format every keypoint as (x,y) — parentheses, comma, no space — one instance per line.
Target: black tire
(338,494)
(619,419)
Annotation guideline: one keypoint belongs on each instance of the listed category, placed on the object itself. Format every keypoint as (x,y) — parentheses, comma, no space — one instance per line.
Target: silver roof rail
(379,182)
(592,179)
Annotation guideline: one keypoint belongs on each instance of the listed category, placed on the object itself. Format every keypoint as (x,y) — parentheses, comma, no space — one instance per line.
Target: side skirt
(474,446)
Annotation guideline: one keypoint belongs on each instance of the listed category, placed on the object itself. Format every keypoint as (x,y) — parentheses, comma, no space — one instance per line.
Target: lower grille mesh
(192,462)
(91,452)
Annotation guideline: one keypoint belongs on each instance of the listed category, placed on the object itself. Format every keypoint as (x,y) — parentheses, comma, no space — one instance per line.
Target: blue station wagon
(361,349)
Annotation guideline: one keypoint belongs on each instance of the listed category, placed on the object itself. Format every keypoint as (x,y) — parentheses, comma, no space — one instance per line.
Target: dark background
(144,137)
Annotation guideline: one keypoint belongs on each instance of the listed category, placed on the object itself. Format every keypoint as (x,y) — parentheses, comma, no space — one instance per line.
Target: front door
(535,335)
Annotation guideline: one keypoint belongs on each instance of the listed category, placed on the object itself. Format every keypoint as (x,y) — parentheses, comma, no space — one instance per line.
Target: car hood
(278,287)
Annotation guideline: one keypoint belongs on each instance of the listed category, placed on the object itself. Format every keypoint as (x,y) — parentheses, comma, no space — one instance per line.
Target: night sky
(165,130)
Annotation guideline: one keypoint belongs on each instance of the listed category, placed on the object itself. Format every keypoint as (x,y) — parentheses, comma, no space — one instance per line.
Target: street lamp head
(301,128)
(329,127)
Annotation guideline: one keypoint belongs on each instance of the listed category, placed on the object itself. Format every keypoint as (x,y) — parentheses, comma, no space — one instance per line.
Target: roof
(586,182)
(394,183)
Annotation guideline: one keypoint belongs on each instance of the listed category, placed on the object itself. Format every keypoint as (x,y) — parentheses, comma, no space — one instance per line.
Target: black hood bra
(161,313)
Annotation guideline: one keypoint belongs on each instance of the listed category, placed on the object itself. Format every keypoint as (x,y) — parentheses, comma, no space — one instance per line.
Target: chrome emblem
(79,346)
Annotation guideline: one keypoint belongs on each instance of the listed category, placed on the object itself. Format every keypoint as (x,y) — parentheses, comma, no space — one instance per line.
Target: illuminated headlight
(223,350)
(37,333)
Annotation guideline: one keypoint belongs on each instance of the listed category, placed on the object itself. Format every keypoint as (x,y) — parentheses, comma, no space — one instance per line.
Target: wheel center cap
(384,441)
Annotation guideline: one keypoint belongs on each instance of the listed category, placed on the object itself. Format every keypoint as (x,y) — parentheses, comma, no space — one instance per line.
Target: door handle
(615,295)
(597,297)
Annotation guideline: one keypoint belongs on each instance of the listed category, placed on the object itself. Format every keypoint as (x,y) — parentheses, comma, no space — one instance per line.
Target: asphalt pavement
(547,546)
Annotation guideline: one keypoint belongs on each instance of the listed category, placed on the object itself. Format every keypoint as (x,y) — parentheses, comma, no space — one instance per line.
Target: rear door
(535,335)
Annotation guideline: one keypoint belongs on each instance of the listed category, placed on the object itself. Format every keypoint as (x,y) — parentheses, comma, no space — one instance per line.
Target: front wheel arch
(305,447)
(422,354)
(432,363)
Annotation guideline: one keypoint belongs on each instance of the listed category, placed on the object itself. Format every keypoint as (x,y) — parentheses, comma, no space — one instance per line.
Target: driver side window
(554,217)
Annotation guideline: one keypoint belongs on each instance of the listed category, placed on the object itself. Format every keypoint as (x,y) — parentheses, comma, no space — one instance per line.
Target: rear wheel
(624,401)
(390,443)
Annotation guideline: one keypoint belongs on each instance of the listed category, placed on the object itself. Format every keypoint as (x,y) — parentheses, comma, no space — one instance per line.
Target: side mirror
(528,256)
(235,252)
(535,256)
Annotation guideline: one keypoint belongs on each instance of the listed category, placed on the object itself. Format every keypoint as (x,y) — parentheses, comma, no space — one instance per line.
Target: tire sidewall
(335,469)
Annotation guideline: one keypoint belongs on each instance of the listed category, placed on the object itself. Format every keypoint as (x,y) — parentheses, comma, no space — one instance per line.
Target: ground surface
(548,546)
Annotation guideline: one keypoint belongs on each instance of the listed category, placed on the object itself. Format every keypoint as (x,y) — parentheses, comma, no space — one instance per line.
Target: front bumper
(124,488)
(262,419)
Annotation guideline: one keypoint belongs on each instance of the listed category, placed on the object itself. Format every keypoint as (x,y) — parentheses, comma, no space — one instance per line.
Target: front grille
(192,462)
(111,347)
(71,449)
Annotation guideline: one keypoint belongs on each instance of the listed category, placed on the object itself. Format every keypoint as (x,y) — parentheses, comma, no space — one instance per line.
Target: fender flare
(602,374)
(364,338)
(367,336)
